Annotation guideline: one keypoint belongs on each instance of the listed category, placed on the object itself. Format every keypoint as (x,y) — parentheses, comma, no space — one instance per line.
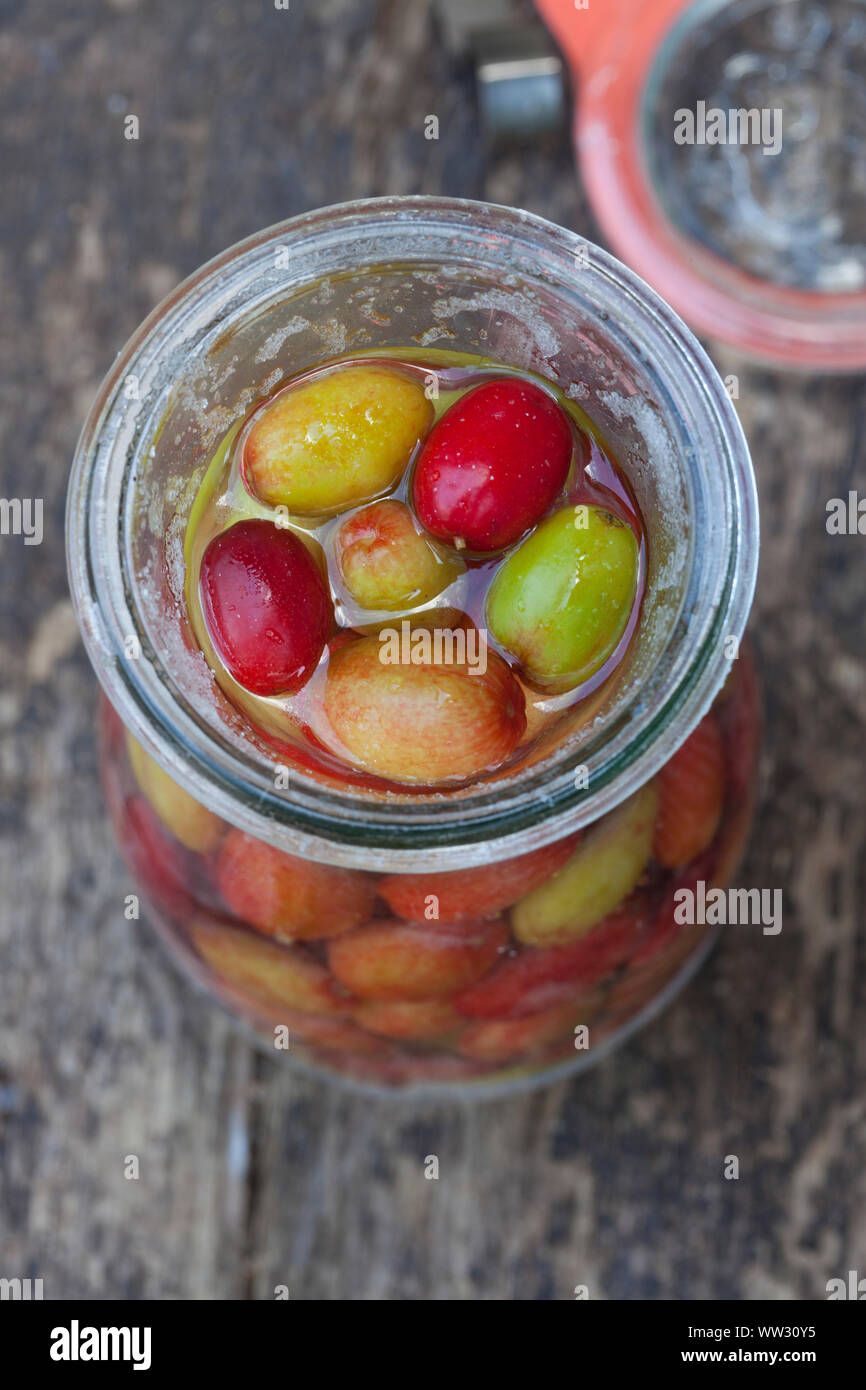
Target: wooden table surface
(250,1177)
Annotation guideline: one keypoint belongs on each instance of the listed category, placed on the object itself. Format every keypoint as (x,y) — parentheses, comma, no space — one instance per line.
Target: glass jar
(509,931)
(729,250)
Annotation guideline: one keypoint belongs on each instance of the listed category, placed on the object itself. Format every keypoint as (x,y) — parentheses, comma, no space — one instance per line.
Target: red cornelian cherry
(267,608)
(492,465)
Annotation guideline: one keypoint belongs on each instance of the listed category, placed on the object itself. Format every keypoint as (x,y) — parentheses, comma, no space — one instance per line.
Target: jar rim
(495,820)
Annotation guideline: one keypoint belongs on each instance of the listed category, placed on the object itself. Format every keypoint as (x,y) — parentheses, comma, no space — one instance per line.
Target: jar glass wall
(556,896)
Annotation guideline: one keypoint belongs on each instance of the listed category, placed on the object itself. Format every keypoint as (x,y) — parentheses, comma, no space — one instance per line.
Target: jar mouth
(541,294)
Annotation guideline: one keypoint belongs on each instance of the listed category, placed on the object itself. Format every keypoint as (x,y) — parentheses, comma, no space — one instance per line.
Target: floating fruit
(386,562)
(288,897)
(189,822)
(481,892)
(425,722)
(415,960)
(492,465)
(604,869)
(267,975)
(340,439)
(691,796)
(266,606)
(561,602)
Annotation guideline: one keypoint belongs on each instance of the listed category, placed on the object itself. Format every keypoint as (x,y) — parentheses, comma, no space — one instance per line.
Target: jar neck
(534,296)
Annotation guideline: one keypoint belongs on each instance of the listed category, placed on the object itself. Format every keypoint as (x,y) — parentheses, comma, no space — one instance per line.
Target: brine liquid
(295,727)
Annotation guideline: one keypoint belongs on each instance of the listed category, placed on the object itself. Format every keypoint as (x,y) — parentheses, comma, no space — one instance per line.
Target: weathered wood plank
(251,1178)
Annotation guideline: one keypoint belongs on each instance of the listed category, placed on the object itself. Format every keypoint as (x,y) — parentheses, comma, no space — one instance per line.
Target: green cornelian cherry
(561,601)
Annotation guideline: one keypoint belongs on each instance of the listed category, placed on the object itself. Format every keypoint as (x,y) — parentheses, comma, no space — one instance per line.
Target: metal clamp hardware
(520,75)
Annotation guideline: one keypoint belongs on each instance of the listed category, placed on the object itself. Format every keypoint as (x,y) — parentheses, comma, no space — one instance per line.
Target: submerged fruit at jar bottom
(542,978)
(728,851)
(266,606)
(332,1032)
(665,927)
(415,960)
(604,869)
(561,602)
(492,465)
(691,796)
(481,892)
(164,868)
(408,1018)
(189,822)
(267,975)
(344,437)
(428,722)
(328,1031)
(387,563)
(500,1039)
(288,897)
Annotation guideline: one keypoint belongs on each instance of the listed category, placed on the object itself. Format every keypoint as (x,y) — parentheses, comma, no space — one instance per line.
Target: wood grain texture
(250,1177)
